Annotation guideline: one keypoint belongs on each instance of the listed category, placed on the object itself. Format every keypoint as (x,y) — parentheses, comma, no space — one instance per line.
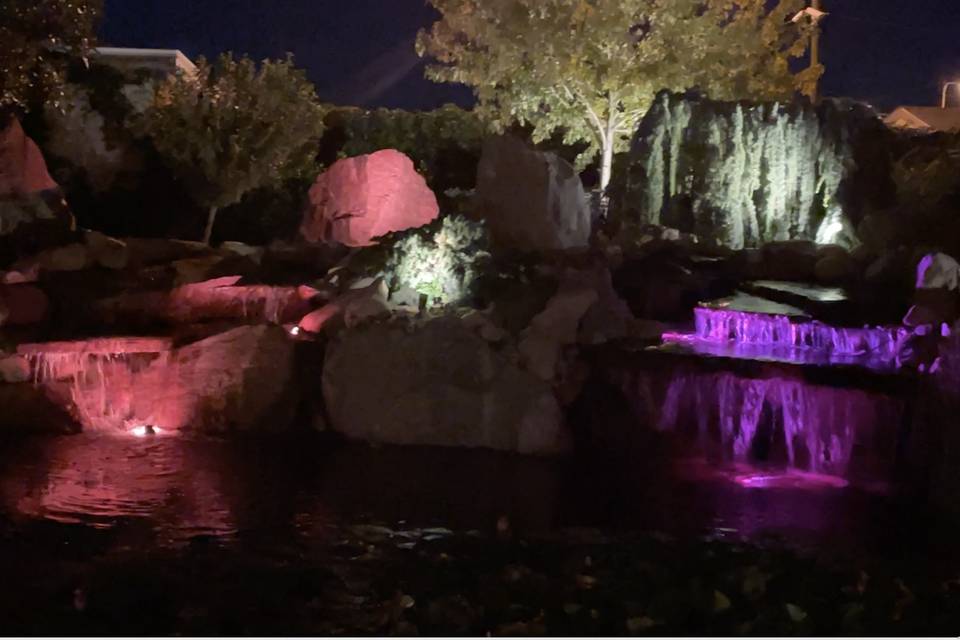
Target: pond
(85,519)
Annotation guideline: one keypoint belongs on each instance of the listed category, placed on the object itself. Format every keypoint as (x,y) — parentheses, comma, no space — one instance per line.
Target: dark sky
(361,51)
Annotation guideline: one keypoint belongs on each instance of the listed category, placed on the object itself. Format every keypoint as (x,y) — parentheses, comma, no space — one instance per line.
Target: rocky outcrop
(33,214)
(240,380)
(531,200)
(541,345)
(359,199)
(220,298)
(936,299)
(23,171)
(436,384)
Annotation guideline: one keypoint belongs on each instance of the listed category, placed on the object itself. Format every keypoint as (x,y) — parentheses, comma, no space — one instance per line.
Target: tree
(233,127)
(37,40)
(591,68)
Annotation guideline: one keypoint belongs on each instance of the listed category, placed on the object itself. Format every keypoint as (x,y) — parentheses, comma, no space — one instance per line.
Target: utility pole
(815,50)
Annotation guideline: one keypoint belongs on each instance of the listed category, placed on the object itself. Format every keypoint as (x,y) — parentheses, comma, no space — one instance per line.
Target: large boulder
(936,299)
(33,214)
(437,384)
(938,271)
(23,171)
(531,200)
(362,198)
(541,345)
(240,380)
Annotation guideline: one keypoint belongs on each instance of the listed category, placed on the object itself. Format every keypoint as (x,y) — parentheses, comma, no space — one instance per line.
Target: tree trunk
(606,165)
(211,218)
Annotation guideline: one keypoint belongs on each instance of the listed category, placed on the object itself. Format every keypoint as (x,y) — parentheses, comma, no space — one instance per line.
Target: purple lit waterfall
(756,335)
(810,427)
(719,325)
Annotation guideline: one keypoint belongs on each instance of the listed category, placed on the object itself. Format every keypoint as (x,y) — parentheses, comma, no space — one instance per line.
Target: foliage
(744,173)
(444,144)
(591,68)
(929,171)
(441,260)
(37,39)
(235,127)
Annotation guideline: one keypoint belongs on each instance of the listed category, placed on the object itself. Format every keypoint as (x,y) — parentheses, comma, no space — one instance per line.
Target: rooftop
(924,118)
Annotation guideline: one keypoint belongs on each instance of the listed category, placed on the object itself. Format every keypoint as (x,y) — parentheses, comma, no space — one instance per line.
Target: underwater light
(144,430)
(295,330)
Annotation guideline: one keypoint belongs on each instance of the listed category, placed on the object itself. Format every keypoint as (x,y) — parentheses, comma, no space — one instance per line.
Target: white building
(924,119)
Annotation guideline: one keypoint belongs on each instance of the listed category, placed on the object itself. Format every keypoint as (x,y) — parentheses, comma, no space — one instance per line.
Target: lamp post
(815,50)
(814,14)
(946,87)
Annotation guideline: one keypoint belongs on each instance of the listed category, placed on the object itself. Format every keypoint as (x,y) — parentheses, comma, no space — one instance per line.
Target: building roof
(924,118)
(170,60)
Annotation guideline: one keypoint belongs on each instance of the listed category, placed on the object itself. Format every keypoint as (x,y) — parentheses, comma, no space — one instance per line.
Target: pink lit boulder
(23,171)
(362,198)
(33,214)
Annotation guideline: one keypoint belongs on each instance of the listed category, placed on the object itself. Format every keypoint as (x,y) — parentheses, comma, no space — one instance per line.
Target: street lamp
(946,86)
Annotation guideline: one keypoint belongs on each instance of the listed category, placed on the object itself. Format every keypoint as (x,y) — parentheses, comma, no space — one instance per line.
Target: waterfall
(815,427)
(98,379)
(718,326)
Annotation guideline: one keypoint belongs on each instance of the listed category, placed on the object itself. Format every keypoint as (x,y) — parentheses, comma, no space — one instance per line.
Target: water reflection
(100,480)
(167,490)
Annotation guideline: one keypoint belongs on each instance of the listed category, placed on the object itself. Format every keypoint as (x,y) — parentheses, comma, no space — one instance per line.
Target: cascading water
(747,327)
(813,427)
(98,379)
(742,328)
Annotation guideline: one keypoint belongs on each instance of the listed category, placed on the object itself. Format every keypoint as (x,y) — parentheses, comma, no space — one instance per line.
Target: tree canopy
(37,39)
(234,127)
(591,68)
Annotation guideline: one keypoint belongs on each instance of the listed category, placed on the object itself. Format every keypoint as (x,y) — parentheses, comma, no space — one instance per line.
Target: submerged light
(144,430)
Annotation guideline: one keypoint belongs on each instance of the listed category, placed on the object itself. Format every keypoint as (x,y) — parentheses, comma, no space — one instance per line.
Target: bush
(442,260)
(445,144)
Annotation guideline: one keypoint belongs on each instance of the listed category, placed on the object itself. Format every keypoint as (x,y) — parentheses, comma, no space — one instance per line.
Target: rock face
(938,271)
(554,328)
(359,199)
(936,299)
(216,299)
(440,384)
(33,215)
(531,200)
(23,171)
(240,380)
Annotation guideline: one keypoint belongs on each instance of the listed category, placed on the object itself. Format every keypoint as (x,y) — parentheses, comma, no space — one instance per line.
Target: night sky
(886,52)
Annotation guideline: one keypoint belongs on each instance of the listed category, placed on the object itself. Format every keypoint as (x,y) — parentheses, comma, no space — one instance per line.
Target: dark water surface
(169,489)
(105,511)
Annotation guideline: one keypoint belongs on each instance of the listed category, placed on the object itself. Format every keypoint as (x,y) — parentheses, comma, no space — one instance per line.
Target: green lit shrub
(443,260)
